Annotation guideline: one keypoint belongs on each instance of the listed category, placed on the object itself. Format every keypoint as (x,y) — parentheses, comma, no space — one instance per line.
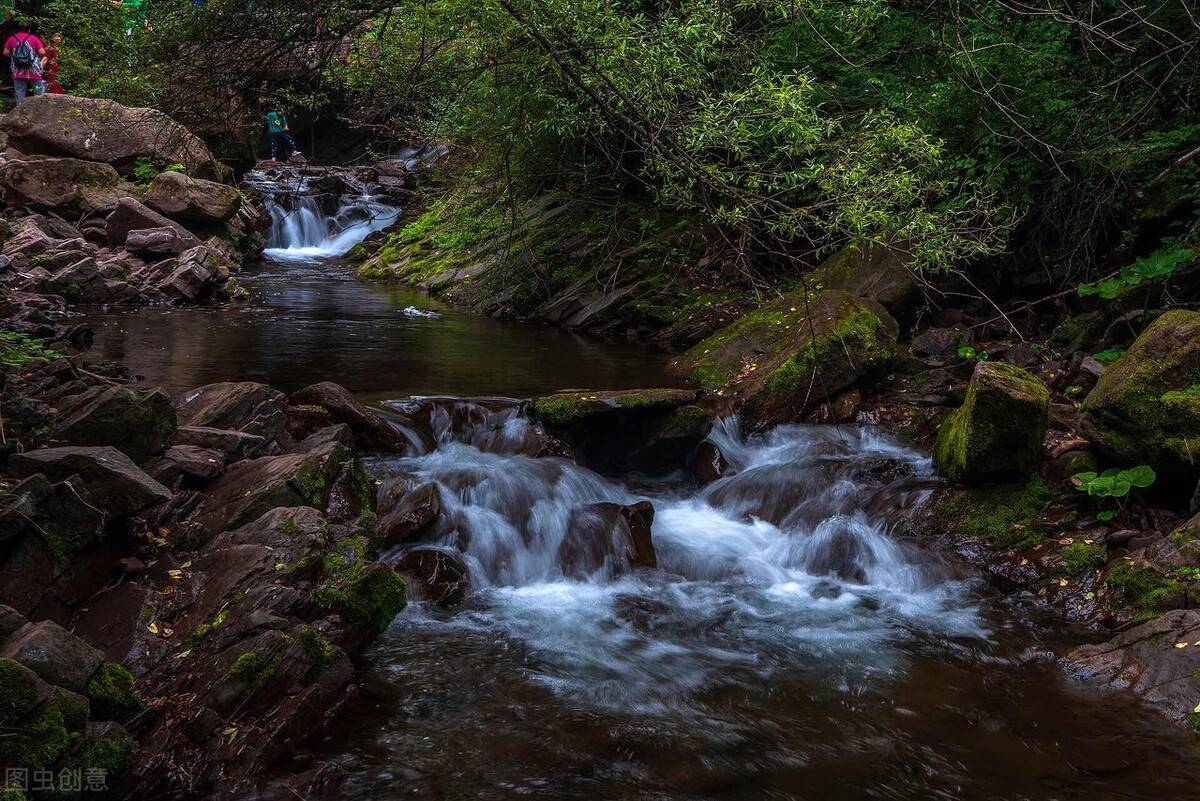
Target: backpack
(24,57)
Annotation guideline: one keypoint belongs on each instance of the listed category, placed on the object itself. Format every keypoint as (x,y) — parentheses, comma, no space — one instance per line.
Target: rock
(202,464)
(195,273)
(113,482)
(176,195)
(1145,409)
(644,430)
(708,463)
(936,342)
(158,241)
(130,215)
(105,131)
(371,431)
(998,431)
(608,537)
(235,445)
(250,488)
(873,272)
(55,654)
(245,406)
(1143,659)
(1023,355)
(10,622)
(404,518)
(64,185)
(439,573)
(138,424)
(789,356)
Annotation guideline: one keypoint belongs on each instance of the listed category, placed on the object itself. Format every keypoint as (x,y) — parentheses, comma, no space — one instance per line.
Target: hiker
(277,132)
(26,53)
(50,66)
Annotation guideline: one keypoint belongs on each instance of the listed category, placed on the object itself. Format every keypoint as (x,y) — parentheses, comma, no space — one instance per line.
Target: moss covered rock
(787,357)
(39,721)
(876,272)
(112,693)
(1146,407)
(997,433)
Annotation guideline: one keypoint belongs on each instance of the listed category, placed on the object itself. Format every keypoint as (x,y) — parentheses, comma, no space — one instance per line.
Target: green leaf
(1106,515)
(1140,476)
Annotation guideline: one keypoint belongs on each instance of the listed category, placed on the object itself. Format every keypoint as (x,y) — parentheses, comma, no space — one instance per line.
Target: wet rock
(55,654)
(188,461)
(245,406)
(789,356)
(138,424)
(1144,659)
(235,445)
(179,196)
(158,241)
(371,431)
(64,185)
(652,430)
(105,131)
(113,482)
(998,431)
(1145,409)
(195,275)
(608,537)
(440,574)
(708,463)
(131,215)
(10,622)
(405,517)
(936,342)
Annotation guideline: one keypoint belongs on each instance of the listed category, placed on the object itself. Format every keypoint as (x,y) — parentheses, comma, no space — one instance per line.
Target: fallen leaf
(1181,645)
(153,628)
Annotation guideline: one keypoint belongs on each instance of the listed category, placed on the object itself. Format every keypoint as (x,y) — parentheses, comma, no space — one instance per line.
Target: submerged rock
(789,356)
(1145,408)
(609,537)
(997,433)
(440,573)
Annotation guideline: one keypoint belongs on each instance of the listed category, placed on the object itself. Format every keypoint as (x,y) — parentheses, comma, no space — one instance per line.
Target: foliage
(1113,483)
(21,350)
(1108,355)
(1160,264)
(970,354)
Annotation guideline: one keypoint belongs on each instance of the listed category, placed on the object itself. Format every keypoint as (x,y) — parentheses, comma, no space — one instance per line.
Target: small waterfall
(316,217)
(790,557)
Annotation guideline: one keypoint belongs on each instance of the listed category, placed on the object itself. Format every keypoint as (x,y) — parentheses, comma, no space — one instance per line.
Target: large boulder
(65,185)
(244,406)
(1145,409)
(195,199)
(158,241)
(1157,660)
(139,424)
(131,215)
(607,537)
(881,273)
(104,130)
(55,654)
(113,482)
(404,516)
(997,433)
(794,353)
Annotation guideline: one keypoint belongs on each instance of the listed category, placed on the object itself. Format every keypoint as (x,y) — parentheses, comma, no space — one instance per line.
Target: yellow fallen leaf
(1063,582)
(175,573)
(1181,645)
(183,654)
(229,732)
(153,628)
(280,566)
(186,564)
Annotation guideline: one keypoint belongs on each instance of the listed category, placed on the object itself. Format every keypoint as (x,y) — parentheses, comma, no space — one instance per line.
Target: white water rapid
(788,561)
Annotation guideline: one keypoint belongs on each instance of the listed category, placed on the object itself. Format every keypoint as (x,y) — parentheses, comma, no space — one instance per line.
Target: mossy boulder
(39,721)
(882,273)
(111,692)
(997,433)
(788,356)
(1145,409)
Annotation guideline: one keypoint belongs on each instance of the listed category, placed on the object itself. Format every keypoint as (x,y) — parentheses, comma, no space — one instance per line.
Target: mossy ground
(1147,592)
(1005,515)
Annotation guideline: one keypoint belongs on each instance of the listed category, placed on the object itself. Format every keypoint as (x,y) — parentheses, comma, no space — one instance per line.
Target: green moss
(1081,558)
(564,409)
(75,710)
(252,669)
(219,619)
(112,753)
(860,333)
(12,794)
(366,599)
(18,689)
(1145,591)
(35,733)
(112,692)
(1006,515)
(315,647)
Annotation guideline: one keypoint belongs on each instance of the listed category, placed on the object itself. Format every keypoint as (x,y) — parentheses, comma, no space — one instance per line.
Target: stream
(793,642)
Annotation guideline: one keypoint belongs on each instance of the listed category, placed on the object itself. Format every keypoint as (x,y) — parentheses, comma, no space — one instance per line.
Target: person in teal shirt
(281,139)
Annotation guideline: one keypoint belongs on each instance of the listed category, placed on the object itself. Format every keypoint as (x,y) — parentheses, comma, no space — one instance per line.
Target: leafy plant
(970,354)
(1160,264)
(1113,483)
(1109,355)
(145,171)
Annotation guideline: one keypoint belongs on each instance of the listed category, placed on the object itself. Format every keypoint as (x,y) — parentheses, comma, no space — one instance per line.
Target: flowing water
(792,643)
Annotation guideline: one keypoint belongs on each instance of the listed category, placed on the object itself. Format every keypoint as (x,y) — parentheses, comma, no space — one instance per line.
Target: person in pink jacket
(26,54)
